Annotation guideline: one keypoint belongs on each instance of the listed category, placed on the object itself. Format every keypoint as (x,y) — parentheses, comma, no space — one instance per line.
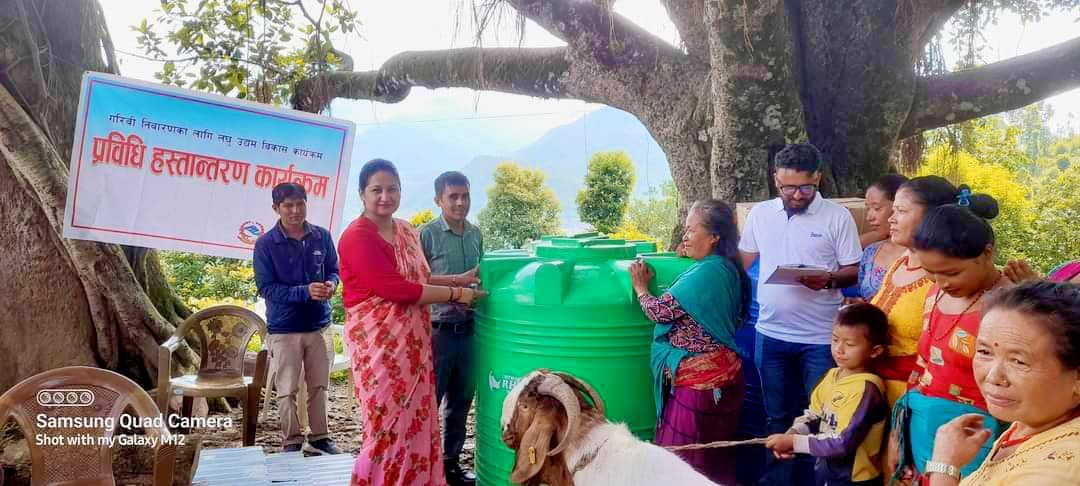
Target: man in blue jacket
(296,270)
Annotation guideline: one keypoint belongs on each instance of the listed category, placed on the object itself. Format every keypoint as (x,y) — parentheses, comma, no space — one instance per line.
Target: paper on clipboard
(790,274)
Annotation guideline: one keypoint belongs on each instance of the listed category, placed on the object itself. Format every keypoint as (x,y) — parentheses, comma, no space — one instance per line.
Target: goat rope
(717,444)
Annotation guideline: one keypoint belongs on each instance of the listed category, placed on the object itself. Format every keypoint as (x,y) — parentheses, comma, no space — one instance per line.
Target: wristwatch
(829,282)
(942,468)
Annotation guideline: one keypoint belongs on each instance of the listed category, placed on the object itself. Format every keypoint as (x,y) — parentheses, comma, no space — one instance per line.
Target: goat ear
(533,448)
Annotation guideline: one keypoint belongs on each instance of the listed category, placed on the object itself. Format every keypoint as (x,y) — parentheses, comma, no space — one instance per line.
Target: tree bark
(856,82)
(76,302)
(755,75)
(994,88)
(755,94)
(538,72)
(148,272)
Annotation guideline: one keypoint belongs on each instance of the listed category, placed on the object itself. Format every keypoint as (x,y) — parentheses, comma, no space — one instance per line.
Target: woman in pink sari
(387,289)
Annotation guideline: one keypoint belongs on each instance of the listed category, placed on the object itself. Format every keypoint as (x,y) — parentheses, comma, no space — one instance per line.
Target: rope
(717,444)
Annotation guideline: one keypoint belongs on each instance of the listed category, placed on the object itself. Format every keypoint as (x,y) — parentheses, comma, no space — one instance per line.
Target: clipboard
(790,274)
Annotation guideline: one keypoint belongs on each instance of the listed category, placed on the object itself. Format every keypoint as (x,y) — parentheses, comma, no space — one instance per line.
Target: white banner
(169,168)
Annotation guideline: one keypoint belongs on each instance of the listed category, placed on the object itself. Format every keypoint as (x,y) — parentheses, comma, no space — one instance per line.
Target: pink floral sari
(395,381)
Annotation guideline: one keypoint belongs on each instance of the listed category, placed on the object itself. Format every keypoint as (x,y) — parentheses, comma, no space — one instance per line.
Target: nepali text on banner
(162,167)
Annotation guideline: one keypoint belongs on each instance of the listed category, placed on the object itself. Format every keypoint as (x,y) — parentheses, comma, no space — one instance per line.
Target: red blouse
(946,350)
(369,266)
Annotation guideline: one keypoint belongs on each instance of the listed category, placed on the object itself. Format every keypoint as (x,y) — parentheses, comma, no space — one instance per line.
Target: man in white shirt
(794,328)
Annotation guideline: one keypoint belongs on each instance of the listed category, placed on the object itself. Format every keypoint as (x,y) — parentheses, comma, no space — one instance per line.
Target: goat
(591,451)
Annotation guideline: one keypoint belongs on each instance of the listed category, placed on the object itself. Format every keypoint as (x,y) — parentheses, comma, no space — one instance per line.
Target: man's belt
(460,327)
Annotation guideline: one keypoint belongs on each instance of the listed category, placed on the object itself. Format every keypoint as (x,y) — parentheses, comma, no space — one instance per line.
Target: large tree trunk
(68,302)
(755,94)
(857,79)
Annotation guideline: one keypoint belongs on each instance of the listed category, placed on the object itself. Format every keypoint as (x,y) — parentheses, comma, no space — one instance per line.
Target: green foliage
(202,281)
(253,49)
(337,307)
(656,215)
(1012,225)
(205,281)
(422,217)
(1038,201)
(520,208)
(1062,155)
(610,178)
(1056,202)
(628,231)
(1033,122)
(989,140)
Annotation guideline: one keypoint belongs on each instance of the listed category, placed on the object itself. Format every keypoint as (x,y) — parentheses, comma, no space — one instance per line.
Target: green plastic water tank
(643,246)
(506,253)
(567,306)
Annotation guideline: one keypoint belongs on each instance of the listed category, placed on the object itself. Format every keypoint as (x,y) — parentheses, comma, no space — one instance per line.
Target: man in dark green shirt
(453,246)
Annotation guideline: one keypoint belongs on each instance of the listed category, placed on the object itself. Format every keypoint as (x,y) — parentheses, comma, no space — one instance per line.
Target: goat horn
(598,403)
(554,386)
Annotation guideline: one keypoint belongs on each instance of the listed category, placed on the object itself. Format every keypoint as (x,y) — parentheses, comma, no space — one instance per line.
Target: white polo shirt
(825,234)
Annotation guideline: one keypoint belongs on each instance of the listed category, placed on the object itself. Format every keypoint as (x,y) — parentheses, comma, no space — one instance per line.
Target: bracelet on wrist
(933,467)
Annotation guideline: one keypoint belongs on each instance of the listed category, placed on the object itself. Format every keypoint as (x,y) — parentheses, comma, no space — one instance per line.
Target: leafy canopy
(520,208)
(653,217)
(608,183)
(252,49)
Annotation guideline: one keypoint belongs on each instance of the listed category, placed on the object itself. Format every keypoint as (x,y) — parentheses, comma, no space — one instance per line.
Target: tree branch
(994,88)
(593,30)
(539,72)
(208,58)
(689,19)
(926,18)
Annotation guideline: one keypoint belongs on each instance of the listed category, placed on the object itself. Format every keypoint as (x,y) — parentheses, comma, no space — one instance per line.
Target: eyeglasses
(805,189)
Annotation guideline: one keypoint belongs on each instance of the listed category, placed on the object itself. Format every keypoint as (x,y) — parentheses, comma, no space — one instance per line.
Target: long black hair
(889,184)
(954,231)
(933,191)
(719,220)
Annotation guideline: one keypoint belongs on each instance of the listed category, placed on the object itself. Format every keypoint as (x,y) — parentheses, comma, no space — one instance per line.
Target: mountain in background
(423,151)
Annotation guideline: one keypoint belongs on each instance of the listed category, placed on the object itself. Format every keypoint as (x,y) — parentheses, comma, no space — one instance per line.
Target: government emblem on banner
(250,231)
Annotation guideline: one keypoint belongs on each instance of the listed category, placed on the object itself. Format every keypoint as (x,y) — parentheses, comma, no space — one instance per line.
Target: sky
(390,27)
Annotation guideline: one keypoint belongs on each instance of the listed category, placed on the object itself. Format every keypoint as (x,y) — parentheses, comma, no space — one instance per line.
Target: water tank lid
(586,249)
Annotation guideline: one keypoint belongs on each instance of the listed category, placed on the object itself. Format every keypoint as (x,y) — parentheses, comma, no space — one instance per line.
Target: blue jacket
(283,269)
